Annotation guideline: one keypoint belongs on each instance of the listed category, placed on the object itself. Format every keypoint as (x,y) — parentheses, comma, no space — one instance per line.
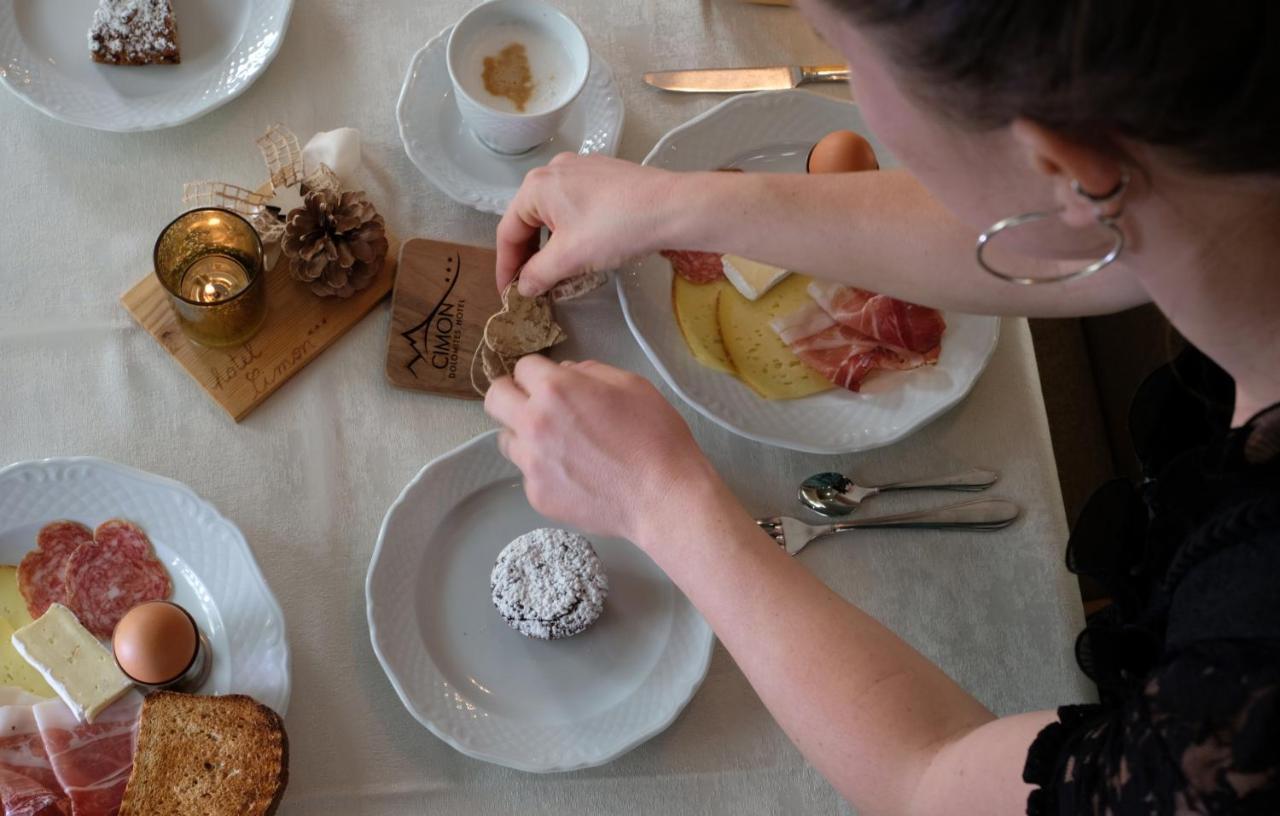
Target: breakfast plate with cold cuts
(517,641)
(774,354)
(139,643)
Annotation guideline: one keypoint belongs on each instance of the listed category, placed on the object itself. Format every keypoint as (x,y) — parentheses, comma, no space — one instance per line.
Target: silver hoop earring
(1104,219)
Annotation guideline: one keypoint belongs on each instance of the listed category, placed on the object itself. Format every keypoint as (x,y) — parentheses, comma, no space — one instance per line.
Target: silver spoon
(834,494)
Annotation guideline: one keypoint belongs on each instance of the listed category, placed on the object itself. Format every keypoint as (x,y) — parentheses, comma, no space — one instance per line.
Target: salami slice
(41,570)
(124,535)
(112,574)
(694,266)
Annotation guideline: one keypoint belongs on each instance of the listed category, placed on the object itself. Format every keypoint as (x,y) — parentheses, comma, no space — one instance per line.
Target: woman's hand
(601,213)
(599,447)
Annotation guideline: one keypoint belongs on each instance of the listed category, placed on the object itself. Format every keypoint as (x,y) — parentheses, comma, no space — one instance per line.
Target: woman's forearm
(865,708)
(881,231)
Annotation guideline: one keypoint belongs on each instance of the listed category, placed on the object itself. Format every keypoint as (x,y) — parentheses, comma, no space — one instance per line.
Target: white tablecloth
(309,475)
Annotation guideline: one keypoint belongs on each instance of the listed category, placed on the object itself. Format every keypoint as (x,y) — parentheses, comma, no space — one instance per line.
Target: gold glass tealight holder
(210,262)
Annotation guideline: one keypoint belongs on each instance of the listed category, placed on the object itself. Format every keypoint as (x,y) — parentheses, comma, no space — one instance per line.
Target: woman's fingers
(547,267)
(604,372)
(600,211)
(504,401)
(507,397)
(533,370)
(517,241)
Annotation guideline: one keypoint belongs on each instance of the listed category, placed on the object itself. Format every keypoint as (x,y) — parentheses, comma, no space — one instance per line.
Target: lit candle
(213,278)
(210,262)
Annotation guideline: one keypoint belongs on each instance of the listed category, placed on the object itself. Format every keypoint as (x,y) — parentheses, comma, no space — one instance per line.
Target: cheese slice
(751,278)
(72,661)
(14,671)
(759,356)
(695,305)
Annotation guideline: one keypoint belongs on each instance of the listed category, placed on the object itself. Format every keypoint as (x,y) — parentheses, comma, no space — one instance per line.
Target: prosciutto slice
(845,334)
(91,760)
(891,321)
(23,796)
(28,785)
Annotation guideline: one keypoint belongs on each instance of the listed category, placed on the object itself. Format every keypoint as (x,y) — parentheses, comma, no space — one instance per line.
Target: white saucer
(451,157)
(484,688)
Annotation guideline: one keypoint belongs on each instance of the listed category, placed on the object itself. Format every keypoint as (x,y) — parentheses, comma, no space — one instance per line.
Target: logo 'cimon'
(436,338)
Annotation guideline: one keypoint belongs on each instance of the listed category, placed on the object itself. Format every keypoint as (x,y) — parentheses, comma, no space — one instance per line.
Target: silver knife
(737,80)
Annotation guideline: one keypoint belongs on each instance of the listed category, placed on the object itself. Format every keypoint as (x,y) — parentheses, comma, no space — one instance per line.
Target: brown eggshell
(155,642)
(841,151)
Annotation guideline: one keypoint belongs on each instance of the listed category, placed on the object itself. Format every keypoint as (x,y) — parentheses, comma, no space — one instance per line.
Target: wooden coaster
(299,326)
(444,295)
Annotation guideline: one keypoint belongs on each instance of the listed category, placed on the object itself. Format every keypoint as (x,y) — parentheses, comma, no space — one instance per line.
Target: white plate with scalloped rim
(214,574)
(446,151)
(772,131)
(487,690)
(225,46)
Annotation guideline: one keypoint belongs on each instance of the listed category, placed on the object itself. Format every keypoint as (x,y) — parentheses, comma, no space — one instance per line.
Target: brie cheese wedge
(72,662)
(751,278)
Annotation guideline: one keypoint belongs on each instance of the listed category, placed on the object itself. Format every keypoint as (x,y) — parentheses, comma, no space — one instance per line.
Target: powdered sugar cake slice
(134,32)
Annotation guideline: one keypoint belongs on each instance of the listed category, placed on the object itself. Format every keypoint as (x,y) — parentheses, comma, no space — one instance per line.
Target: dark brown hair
(1199,77)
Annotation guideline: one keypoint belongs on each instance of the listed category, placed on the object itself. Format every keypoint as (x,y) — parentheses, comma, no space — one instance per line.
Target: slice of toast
(207,755)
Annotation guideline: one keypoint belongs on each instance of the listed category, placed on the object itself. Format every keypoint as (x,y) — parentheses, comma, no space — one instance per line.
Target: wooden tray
(299,327)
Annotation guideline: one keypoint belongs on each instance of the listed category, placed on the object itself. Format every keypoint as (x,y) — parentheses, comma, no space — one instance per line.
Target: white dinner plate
(446,151)
(224,46)
(215,577)
(772,131)
(484,688)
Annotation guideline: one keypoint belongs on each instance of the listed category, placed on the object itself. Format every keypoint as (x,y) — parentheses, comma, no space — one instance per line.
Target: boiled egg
(155,643)
(841,151)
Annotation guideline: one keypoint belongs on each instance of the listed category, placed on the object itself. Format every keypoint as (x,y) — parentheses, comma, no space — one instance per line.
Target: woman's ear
(1061,161)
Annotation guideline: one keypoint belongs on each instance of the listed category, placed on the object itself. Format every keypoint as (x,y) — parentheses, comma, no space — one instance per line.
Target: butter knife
(738,80)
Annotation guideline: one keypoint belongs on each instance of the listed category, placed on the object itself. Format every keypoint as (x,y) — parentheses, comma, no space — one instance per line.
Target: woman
(1146,129)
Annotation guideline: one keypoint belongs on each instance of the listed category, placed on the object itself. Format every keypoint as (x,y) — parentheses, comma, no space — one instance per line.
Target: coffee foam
(552,68)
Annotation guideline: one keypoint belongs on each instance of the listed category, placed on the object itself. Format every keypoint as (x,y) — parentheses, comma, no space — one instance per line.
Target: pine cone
(335,242)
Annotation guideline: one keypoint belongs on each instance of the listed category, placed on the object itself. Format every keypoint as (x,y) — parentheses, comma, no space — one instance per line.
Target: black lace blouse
(1187,659)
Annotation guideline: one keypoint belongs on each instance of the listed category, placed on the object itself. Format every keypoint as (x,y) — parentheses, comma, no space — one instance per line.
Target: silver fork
(793,535)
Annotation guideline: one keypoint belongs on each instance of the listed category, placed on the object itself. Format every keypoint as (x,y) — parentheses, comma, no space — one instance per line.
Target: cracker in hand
(524,325)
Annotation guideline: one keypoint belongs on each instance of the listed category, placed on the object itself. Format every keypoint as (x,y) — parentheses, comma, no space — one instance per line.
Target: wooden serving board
(444,295)
(299,326)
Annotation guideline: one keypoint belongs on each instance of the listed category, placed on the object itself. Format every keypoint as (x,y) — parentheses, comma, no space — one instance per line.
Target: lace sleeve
(1202,736)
